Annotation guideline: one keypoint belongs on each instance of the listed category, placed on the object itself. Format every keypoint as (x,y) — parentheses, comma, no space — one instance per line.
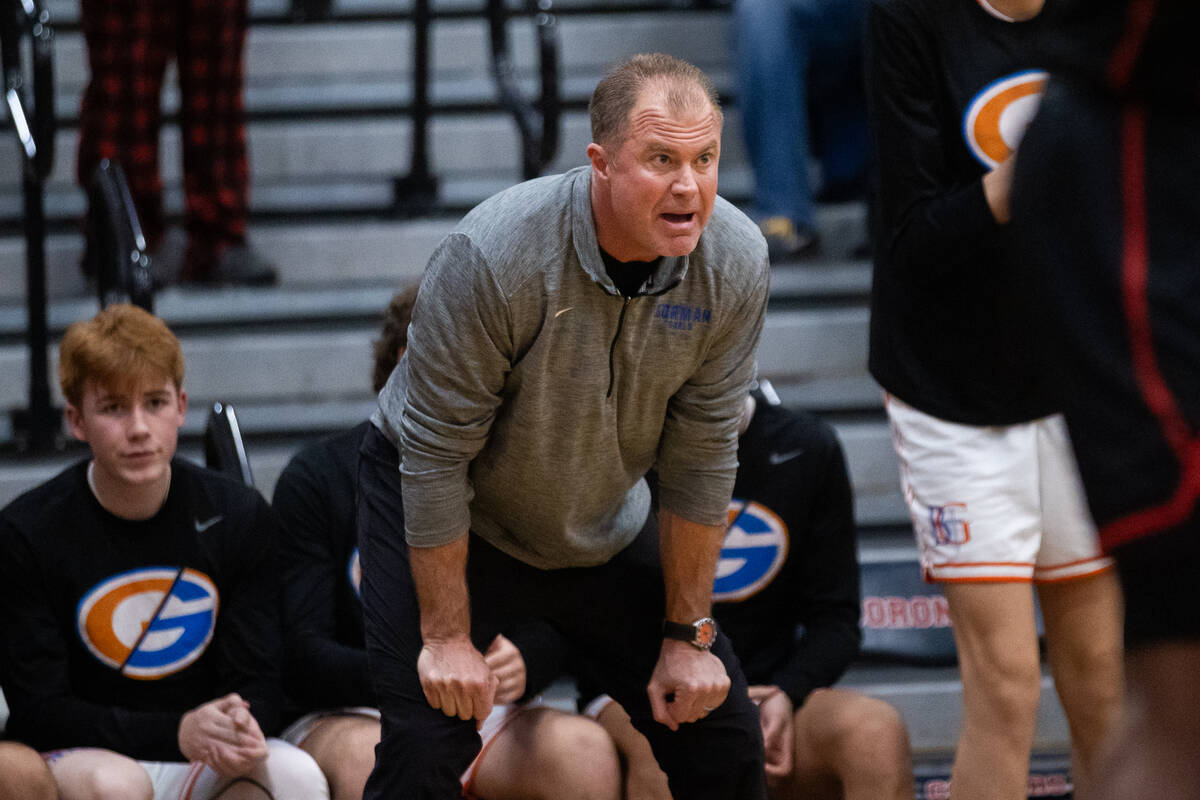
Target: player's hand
(506,663)
(456,679)
(686,684)
(775,714)
(224,735)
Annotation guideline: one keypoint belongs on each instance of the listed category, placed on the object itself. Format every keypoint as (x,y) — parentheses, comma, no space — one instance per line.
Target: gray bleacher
(329,132)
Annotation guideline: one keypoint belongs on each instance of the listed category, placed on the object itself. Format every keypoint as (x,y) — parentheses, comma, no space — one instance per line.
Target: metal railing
(224,450)
(29,97)
(116,246)
(416,192)
(537,121)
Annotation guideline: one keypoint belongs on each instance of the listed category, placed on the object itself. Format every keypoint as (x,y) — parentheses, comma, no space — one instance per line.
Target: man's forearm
(690,552)
(440,577)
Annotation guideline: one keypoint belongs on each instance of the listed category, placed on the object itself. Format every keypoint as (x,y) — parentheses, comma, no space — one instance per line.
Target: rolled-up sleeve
(697,457)
(458,356)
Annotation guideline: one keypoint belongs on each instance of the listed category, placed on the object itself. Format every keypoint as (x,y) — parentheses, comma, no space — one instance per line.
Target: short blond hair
(618,92)
(119,348)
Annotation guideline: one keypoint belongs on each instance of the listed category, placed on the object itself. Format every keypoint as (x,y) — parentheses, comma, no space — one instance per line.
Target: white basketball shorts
(994,503)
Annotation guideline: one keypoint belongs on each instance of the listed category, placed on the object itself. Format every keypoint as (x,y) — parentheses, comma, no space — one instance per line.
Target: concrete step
(351,65)
(328,251)
(65,13)
(813,350)
(309,165)
(868,453)
(329,103)
(930,700)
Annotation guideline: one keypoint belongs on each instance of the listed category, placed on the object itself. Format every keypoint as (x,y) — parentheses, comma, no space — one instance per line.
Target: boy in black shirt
(141,643)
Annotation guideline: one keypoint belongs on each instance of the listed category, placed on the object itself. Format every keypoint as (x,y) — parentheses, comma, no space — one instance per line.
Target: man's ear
(75,422)
(182,405)
(599,159)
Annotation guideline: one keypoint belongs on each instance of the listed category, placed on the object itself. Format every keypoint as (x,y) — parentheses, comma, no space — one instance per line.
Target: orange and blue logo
(997,117)
(755,547)
(151,622)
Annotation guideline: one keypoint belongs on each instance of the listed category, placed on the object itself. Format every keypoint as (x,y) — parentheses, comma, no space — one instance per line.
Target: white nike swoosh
(778,458)
(201,527)
(562,311)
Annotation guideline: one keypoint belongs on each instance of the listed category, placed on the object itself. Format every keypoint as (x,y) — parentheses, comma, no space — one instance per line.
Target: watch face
(706,632)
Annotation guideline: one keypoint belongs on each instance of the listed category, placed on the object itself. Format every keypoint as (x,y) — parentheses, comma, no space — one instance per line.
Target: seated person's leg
(544,754)
(850,746)
(288,772)
(94,774)
(23,774)
(343,746)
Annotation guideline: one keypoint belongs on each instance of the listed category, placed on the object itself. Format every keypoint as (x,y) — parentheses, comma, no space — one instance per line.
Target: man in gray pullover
(572,332)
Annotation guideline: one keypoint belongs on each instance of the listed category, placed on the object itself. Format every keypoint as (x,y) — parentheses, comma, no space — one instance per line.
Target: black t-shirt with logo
(112,629)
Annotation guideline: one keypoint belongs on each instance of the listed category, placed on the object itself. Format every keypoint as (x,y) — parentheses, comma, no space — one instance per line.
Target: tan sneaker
(785,242)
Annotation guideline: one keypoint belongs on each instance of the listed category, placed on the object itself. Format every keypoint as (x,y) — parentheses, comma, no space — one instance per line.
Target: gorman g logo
(755,547)
(998,116)
(149,623)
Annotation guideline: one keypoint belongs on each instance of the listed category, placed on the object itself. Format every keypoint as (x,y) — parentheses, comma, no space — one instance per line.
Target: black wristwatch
(700,634)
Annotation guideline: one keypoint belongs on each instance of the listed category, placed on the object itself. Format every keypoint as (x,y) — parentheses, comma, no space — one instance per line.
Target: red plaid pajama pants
(129,43)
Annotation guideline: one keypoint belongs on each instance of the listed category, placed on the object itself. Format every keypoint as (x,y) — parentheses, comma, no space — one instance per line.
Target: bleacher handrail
(224,448)
(537,122)
(39,426)
(34,125)
(116,246)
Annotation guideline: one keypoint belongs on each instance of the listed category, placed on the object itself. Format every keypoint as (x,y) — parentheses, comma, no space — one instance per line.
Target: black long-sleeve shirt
(946,81)
(326,660)
(112,629)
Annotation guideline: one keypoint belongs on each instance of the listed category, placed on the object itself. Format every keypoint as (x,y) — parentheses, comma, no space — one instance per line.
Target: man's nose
(685,180)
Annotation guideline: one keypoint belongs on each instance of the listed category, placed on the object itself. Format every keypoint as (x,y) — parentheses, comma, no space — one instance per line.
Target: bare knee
(1001,684)
(865,738)
(582,761)
(344,749)
(23,774)
(290,772)
(115,779)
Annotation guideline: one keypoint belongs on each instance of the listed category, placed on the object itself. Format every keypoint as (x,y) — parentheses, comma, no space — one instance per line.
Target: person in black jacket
(141,641)
(786,594)
(529,750)
(991,483)
(1105,208)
